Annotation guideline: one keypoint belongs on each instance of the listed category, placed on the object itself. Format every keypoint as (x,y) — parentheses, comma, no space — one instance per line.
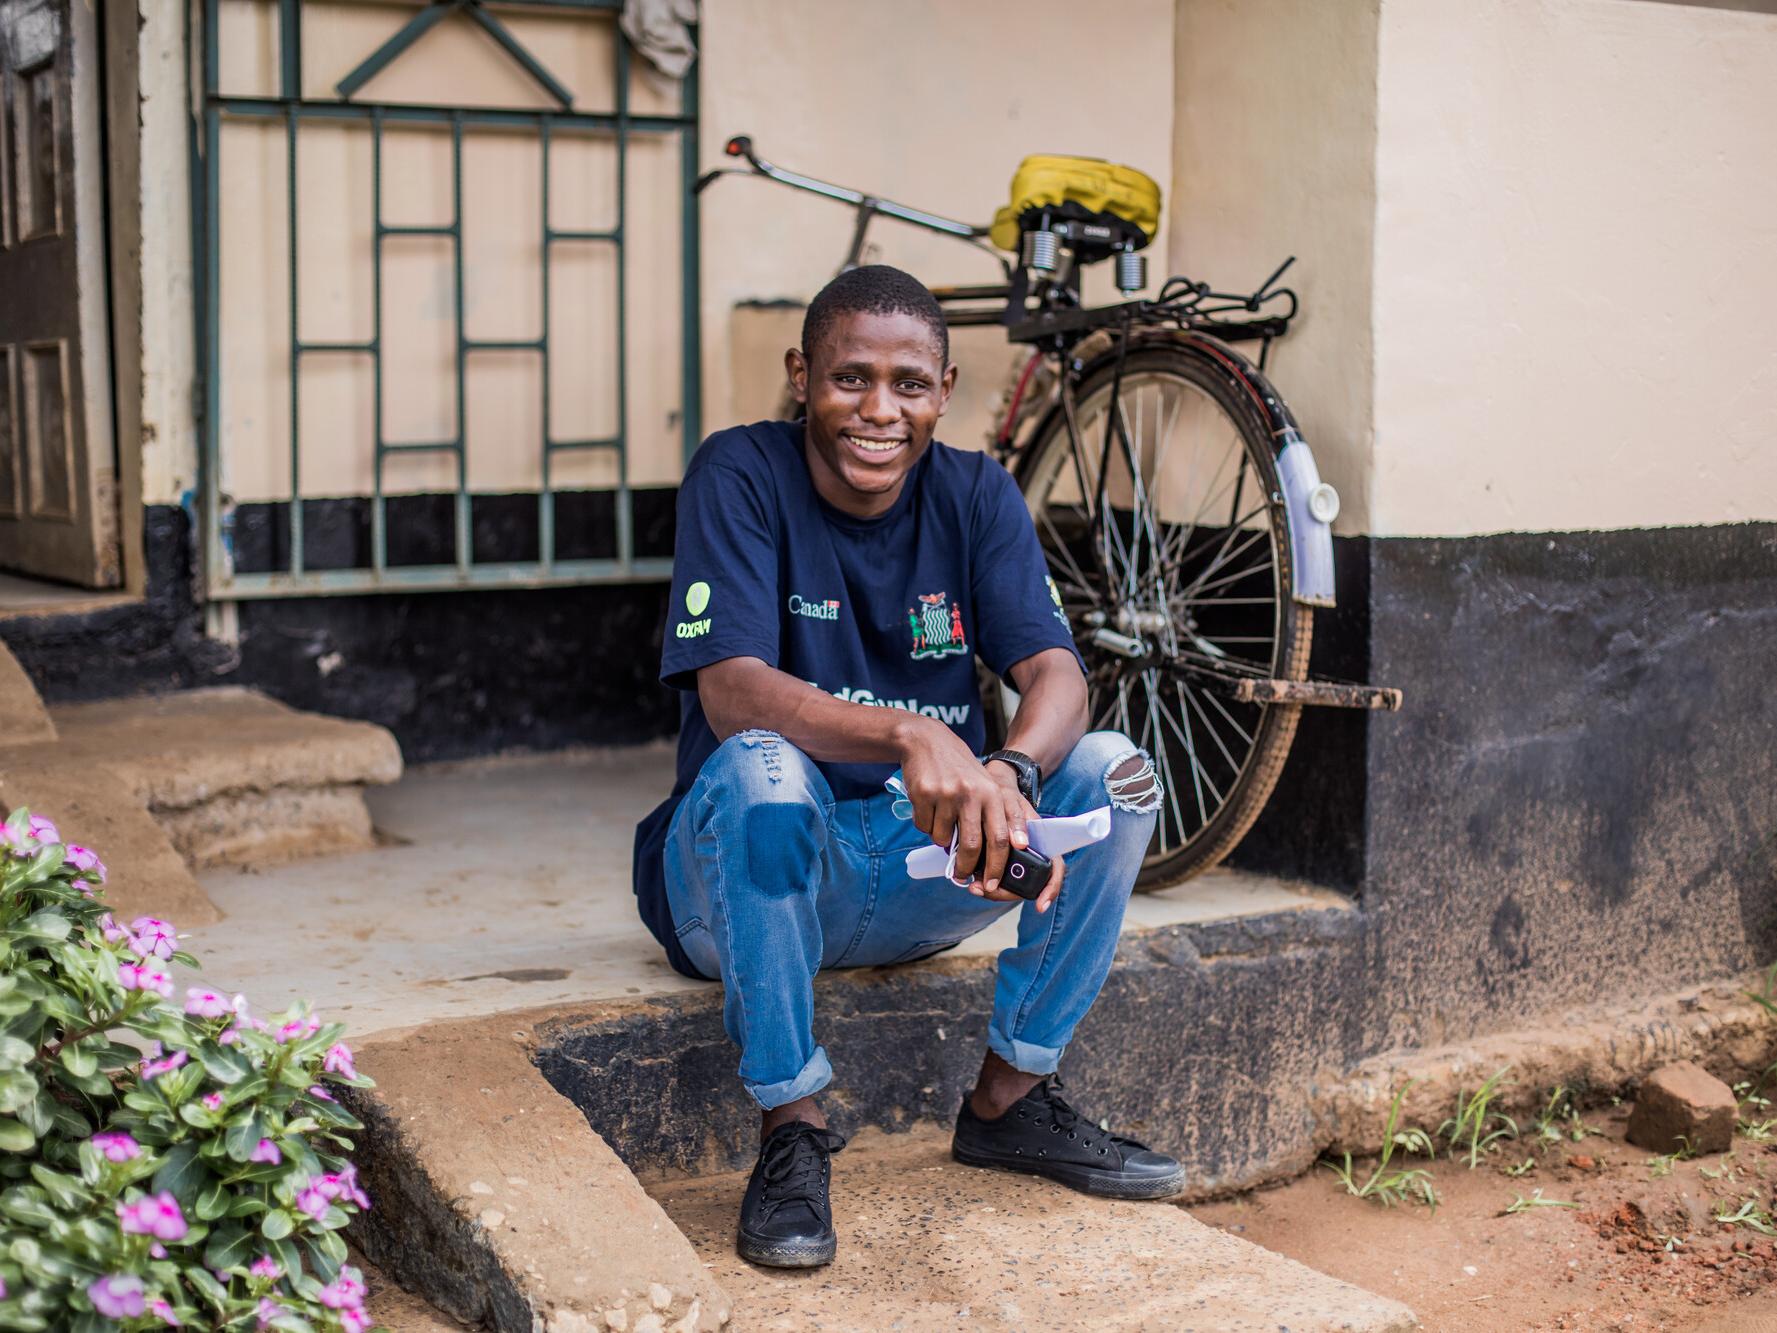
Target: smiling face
(874,386)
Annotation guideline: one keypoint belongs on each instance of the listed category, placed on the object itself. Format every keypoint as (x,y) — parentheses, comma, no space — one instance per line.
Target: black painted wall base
(450,674)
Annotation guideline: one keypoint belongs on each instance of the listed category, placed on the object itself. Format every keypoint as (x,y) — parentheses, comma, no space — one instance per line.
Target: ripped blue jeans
(771,879)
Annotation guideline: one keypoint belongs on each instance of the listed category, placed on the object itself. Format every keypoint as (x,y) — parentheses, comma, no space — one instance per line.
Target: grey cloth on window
(658,29)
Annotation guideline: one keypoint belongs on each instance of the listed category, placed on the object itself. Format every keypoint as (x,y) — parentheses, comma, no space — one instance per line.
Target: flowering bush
(162,1164)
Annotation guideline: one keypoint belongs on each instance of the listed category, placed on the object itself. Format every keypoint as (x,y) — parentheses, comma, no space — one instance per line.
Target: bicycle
(1191,586)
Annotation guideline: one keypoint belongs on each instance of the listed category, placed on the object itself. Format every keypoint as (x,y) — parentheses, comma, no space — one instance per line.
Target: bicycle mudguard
(1311,502)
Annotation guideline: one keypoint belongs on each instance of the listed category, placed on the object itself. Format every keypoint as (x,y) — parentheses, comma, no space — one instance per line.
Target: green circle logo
(697,596)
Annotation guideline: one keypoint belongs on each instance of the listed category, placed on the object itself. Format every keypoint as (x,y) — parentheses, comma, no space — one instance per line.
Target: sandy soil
(1641,1251)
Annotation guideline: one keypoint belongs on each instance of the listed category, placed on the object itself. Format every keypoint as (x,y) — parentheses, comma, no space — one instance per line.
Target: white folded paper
(1055,836)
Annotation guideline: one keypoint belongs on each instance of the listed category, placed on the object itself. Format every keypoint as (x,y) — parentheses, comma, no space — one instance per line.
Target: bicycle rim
(1187,560)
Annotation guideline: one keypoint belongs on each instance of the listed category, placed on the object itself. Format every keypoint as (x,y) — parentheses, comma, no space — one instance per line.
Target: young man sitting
(823,571)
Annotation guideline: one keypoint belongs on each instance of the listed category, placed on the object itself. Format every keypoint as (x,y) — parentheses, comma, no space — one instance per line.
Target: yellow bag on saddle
(1091,183)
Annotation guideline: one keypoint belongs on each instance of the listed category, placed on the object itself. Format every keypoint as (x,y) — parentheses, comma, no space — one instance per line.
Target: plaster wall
(1575,223)
(1274,153)
(927,103)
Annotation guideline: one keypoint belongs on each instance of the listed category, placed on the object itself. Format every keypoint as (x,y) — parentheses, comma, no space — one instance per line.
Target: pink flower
(116,1146)
(266,1151)
(155,1215)
(42,832)
(228,1036)
(117,1296)
(322,1093)
(85,888)
(268,1311)
(9,840)
(312,1201)
(355,1320)
(112,931)
(165,1311)
(205,1003)
(266,1266)
(153,938)
(158,1250)
(152,1068)
(345,1290)
(86,860)
(145,975)
(298,1028)
(339,1060)
(212,1101)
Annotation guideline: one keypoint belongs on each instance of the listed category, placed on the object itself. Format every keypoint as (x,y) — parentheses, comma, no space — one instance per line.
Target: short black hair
(873,289)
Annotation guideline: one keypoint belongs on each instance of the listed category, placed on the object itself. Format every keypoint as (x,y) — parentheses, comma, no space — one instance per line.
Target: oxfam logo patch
(697,597)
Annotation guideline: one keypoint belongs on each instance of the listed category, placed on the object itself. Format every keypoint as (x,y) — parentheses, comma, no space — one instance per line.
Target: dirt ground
(1641,1251)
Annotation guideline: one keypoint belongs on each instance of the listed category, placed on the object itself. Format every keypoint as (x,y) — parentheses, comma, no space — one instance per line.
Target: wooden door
(58,471)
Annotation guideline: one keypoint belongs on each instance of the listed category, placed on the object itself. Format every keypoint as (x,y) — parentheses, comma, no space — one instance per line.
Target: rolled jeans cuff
(1022,1055)
(815,1075)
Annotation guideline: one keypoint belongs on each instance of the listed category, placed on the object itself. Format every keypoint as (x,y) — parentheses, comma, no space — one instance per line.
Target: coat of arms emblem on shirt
(937,625)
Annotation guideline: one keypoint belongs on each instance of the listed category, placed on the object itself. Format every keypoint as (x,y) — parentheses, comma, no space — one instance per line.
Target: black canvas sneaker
(1042,1135)
(785,1219)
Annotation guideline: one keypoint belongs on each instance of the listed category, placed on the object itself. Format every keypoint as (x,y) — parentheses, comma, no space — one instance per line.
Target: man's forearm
(1052,708)
(741,693)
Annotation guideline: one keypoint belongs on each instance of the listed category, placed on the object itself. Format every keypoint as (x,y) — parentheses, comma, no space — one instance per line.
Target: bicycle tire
(1206,366)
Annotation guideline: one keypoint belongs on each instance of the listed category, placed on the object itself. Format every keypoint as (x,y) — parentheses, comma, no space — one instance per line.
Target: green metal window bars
(224,584)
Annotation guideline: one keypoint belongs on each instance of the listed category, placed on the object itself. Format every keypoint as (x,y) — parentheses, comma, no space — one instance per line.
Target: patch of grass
(1748,1215)
(1759,1131)
(1536,1200)
(1560,1119)
(1728,1170)
(1473,1117)
(1522,1168)
(1766,997)
(1661,1165)
(1390,1186)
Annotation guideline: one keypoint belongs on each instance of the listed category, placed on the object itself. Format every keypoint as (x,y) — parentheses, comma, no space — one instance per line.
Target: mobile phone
(1027,872)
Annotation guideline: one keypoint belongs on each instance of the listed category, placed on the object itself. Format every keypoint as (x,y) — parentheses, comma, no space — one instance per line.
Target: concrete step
(94,807)
(23,718)
(235,778)
(925,1243)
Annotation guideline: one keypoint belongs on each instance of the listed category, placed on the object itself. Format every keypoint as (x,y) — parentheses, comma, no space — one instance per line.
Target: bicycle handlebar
(741,145)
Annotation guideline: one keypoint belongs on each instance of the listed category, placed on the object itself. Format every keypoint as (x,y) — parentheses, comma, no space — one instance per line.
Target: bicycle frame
(1058,320)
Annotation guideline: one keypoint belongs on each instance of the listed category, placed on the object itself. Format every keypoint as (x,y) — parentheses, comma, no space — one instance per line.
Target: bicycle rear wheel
(1169,544)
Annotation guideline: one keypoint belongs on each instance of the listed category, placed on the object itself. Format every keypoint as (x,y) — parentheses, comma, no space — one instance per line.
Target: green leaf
(225,1066)
(328,1252)
(229,1247)
(276,1224)
(79,1061)
(17,1089)
(93,1084)
(181,1172)
(207,1287)
(45,925)
(244,1135)
(212,1202)
(15,1054)
(65,1191)
(246,1206)
(286,1253)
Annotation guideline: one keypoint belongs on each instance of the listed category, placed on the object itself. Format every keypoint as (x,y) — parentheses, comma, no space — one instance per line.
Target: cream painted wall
(1274,155)
(1576,265)
(926,102)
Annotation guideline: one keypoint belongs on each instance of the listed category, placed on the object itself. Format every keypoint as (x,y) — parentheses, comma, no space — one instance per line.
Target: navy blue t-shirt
(890,611)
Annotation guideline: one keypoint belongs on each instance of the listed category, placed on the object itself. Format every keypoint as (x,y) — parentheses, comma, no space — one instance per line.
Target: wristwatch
(1030,777)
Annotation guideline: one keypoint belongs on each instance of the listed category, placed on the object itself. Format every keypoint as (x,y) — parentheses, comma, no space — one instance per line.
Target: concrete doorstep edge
(1593,1053)
(495,1201)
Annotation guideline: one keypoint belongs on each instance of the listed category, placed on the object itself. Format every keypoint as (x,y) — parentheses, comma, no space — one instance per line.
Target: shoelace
(1068,1121)
(794,1167)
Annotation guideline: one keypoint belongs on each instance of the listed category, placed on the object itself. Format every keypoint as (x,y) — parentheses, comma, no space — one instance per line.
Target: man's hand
(953,793)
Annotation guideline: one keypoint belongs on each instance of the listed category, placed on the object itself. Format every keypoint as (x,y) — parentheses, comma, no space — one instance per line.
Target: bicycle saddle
(1081,189)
